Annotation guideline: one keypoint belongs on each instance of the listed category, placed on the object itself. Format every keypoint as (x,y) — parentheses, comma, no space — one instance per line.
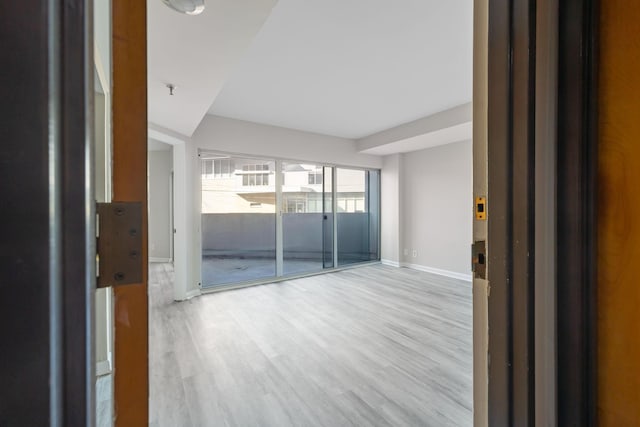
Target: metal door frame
(48,247)
(541,212)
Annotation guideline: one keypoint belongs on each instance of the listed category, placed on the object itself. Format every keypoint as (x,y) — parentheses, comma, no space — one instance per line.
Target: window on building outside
(217,168)
(255,179)
(315,178)
(295,206)
(253,168)
(351,204)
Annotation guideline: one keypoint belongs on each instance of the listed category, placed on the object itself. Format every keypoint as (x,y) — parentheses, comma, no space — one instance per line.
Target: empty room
(319,213)
(310,206)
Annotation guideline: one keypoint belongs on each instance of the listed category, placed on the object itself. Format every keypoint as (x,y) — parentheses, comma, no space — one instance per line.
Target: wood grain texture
(370,346)
(619,203)
(131,385)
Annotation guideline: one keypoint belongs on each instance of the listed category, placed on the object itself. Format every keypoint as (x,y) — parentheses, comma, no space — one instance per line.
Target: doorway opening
(160,201)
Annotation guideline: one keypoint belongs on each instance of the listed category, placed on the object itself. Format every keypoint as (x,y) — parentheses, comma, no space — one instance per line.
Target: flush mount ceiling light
(188,7)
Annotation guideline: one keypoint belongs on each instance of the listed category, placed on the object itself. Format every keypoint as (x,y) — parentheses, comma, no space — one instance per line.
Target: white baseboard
(390,263)
(103,367)
(447,273)
(154,259)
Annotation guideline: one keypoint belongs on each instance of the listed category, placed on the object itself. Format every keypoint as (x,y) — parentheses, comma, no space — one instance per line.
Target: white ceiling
(196,54)
(353,68)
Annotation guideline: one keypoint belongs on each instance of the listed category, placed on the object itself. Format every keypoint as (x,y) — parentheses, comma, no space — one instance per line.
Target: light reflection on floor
(227,270)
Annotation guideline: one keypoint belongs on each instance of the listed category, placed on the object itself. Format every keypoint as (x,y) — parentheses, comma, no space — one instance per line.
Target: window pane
(238,228)
(358,230)
(302,226)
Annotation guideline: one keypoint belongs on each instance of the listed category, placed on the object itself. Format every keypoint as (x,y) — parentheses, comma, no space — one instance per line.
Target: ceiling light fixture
(188,7)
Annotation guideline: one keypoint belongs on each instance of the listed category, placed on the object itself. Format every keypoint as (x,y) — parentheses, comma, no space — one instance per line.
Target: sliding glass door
(307,229)
(328,219)
(238,220)
(358,215)
(265,218)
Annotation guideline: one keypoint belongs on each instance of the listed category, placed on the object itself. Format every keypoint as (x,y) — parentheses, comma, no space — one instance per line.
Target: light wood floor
(370,346)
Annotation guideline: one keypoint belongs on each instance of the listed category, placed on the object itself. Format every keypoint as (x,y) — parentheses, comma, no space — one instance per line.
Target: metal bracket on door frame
(119,243)
(479,259)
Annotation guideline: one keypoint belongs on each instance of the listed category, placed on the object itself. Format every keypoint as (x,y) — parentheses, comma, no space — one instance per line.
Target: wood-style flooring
(369,346)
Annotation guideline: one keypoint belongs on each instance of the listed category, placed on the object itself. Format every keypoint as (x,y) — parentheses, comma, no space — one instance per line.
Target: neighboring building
(235,185)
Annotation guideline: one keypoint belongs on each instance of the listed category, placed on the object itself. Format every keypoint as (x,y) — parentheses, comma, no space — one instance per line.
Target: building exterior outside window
(243,185)
(217,168)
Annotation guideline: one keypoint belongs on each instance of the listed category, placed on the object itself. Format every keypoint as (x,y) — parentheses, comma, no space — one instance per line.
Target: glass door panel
(238,219)
(327,217)
(357,215)
(302,218)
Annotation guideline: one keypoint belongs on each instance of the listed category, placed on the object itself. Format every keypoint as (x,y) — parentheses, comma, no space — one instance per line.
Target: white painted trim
(155,259)
(103,367)
(193,293)
(447,273)
(390,263)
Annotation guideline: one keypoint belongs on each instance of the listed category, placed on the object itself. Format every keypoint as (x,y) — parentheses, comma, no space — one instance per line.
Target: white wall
(436,207)
(240,137)
(187,155)
(390,209)
(102,37)
(160,167)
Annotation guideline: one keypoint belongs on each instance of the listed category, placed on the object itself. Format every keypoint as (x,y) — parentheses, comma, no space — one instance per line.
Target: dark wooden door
(131,370)
(619,202)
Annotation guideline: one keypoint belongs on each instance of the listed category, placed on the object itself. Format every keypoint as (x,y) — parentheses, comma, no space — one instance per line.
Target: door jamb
(576,207)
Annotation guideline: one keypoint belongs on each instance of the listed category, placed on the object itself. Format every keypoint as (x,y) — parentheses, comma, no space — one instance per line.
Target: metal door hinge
(479,259)
(119,243)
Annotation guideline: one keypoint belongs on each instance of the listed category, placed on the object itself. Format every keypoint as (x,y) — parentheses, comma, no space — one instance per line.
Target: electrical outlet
(406,252)
(414,253)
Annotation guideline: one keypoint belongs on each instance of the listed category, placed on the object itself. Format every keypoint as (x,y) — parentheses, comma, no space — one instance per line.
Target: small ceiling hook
(171,88)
